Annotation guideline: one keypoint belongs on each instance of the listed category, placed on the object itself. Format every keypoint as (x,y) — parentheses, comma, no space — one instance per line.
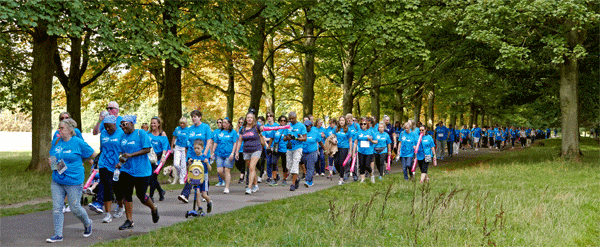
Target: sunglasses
(363,124)
(111,108)
(269,115)
(62,118)
(219,122)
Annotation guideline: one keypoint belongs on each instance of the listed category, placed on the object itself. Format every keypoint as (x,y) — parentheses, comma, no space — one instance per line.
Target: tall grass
(528,197)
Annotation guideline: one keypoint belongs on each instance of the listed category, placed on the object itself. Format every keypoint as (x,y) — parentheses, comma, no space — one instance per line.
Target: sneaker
(226,191)
(155,216)
(297,184)
(259,180)
(248,191)
(182,198)
(241,180)
(87,231)
(201,212)
(292,187)
(67,209)
(272,183)
(372,179)
(283,183)
(209,207)
(96,207)
(269,180)
(355,178)
(305,184)
(303,176)
(309,184)
(162,196)
(255,189)
(380,178)
(340,182)
(54,239)
(127,225)
(107,218)
(119,212)
(220,184)
(203,200)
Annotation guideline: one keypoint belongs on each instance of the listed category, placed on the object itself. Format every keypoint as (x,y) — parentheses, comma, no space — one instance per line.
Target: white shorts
(293,160)
(476,139)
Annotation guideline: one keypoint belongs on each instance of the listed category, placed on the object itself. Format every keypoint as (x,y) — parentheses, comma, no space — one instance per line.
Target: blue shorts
(224,162)
(203,186)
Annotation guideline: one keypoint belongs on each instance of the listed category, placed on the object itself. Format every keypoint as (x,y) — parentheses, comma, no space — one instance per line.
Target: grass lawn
(528,197)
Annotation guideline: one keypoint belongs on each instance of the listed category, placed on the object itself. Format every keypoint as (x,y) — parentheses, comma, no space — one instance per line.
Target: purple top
(251,139)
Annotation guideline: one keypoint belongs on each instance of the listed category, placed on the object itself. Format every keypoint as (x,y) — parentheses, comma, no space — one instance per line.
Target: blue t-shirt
(72,153)
(476,132)
(278,136)
(136,166)
(408,141)
(464,133)
(269,134)
(441,134)
(57,135)
(364,146)
(425,148)
(498,135)
(513,133)
(330,130)
(313,137)
(343,138)
(110,147)
(321,130)
(202,132)
(296,130)
(119,119)
(451,134)
(180,135)
(383,139)
(159,143)
(224,140)
(430,133)
(490,132)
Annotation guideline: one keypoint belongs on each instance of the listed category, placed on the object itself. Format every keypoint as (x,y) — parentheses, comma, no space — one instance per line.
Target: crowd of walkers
(280,150)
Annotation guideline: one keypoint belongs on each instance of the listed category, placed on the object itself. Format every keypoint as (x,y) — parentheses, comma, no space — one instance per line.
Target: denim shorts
(224,162)
(248,156)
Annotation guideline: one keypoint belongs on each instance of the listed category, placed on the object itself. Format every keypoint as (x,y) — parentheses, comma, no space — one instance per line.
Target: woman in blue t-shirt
(223,143)
(364,144)
(425,154)
(381,148)
(179,145)
(66,160)
(135,170)
(279,149)
(344,141)
(110,148)
(408,142)
(160,144)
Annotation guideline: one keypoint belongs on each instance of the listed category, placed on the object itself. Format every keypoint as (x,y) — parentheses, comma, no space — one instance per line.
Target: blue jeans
(320,165)
(406,166)
(309,160)
(73,193)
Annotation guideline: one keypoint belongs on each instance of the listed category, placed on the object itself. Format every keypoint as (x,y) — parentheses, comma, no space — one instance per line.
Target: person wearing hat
(310,151)
(135,170)
(295,135)
(113,109)
(110,148)
(222,150)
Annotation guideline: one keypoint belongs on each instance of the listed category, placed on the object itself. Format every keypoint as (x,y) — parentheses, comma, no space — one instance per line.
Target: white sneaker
(119,212)
(226,191)
(107,218)
(340,182)
(372,179)
(255,189)
(248,191)
(67,209)
(259,179)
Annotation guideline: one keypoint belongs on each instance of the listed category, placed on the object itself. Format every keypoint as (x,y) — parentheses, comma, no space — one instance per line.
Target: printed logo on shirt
(105,139)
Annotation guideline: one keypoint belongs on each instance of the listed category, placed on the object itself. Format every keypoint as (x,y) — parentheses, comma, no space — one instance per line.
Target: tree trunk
(42,71)
(230,87)
(257,68)
(357,114)
(430,108)
(462,119)
(375,109)
(169,98)
(471,114)
(452,119)
(569,97)
(348,79)
(271,70)
(308,93)
(399,106)
(418,102)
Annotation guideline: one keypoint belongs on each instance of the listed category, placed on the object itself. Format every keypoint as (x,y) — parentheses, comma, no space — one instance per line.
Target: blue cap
(129,118)
(307,123)
(110,119)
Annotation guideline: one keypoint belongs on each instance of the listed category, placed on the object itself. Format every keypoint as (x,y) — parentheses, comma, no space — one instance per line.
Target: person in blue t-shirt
(498,137)
(382,148)
(198,130)
(344,142)
(310,151)
(179,146)
(450,140)
(464,137)
(296,135)
(223,143)
(111,109)
(476,135)
(441,134)
(513,134)
(135,170)
(62,116)
(490,134)
(268,135)
(201,185)
(425,154)
(364,144)
(408,143)
(110,148)
(278,149)
(160,145)
(66,161)
(320,165)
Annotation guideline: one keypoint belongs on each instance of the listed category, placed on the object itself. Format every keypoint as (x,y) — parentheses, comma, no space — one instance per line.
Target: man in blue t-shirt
(476,134)
(441,134)
(296,135)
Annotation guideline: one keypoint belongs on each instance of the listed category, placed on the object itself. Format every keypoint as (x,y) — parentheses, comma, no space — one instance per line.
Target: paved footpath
(32,229)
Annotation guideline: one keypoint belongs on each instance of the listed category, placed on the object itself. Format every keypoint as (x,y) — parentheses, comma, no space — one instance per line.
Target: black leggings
(240,164)
(364,165)
(106,178)
(523,141)
(124,187)
(340,156)
(423,166)
(275,158)
(380,162)
(154,184)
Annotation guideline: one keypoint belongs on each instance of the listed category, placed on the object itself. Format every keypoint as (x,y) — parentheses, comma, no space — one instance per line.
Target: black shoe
(209,207)
(297,183)
(162,196)
(155,216)
(303,176)
(127,225)
(240,181)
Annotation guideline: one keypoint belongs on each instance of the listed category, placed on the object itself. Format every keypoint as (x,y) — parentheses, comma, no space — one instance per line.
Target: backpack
(196,172)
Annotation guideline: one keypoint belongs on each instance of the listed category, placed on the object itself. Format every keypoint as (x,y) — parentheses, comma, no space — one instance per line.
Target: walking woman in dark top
(253,144)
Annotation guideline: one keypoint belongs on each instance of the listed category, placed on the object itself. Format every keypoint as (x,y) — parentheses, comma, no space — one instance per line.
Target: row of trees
(456,59)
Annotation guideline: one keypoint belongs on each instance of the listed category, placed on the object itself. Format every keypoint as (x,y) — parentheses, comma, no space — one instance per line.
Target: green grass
(26,209)
(528,197)
(18,185)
